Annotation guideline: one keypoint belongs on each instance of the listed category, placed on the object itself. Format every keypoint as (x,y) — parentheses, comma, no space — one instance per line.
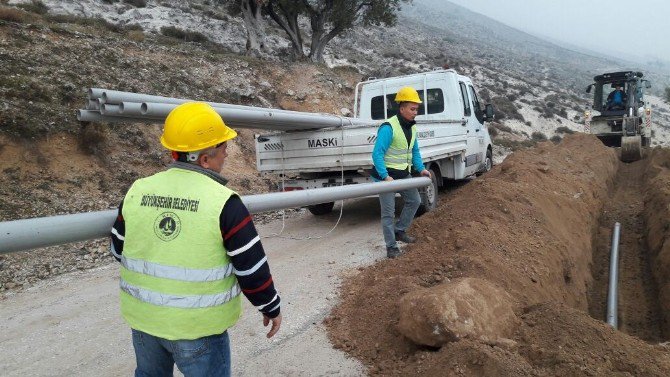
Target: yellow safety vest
(399,154)
(177,281)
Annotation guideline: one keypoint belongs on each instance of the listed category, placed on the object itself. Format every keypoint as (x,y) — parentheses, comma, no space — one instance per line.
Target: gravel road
(71,325)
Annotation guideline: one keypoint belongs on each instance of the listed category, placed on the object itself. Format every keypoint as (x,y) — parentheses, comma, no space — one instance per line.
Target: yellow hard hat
(407,94)
(194,126)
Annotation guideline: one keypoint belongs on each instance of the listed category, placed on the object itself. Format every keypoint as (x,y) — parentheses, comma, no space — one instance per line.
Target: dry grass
(13,15)
(136,35)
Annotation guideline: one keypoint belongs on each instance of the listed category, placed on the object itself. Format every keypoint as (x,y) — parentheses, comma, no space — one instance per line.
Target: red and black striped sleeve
(118,235)
(243,245)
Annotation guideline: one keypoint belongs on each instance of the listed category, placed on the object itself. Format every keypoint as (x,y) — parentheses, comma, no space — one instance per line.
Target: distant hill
(573,65)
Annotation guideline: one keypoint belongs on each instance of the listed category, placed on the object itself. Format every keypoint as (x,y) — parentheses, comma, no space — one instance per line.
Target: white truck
(451,132)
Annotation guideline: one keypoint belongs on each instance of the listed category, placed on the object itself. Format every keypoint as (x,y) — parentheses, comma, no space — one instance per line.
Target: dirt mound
(657,215)
(465,307)
(526,227)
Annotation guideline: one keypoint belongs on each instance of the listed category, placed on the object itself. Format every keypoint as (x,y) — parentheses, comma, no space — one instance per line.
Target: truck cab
(451,132)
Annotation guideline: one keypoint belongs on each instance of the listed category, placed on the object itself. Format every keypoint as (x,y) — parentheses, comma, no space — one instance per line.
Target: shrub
(185,35)
(86,21)
(502,127)
(667,94)
(538,136)
(136,3)
(556,139)
(505,108)
(133,27)
(136,35)
(35,6)
(493,132)
(514,144)
(216,15)
(564,130)
(92,138)
(12,15)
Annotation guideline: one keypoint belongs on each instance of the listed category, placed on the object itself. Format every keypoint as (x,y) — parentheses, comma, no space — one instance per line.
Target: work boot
(404,237)
(393,251)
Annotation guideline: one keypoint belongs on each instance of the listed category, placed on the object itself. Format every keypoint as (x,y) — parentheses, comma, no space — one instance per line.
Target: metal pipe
(28,234)
(128,108)
(263,119)
(116,97)
(109,109)
(613,289)
(92,104)
(157,108)
(94,93)
(95,116)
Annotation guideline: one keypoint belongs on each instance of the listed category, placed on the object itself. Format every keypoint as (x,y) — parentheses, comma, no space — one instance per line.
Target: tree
(329,18)
(285,13)
(251,11)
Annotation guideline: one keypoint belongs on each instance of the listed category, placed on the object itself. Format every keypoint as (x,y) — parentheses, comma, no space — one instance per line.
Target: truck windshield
(435,104)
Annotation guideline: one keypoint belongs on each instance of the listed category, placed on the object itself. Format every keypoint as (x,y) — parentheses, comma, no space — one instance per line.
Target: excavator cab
(622,118)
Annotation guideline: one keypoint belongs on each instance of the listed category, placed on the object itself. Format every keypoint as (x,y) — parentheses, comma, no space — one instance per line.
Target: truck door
(472,158)
(479,118)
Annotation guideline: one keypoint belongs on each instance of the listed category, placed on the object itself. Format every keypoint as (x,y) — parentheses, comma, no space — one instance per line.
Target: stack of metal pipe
(104,105)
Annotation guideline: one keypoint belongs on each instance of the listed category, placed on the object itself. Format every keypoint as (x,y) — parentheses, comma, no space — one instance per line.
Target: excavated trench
(535,234)
(639,312)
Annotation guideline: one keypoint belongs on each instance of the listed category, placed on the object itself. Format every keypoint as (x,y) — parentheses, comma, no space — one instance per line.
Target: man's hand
(388,178)
(425,173)
(276,323)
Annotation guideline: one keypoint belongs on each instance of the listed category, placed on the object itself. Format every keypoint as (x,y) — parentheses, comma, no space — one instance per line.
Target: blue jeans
(207,356)
(387,202)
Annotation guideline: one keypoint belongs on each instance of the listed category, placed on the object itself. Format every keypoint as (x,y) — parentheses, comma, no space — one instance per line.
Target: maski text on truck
(321,143)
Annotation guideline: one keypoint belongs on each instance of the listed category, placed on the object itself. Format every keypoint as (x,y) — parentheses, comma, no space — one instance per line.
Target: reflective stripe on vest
(399,154)
(175,272)
(180,301)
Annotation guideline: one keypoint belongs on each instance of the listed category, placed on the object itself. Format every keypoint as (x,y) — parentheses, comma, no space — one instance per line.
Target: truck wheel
(488,163)
(428,195)
(321,208)
(646,141)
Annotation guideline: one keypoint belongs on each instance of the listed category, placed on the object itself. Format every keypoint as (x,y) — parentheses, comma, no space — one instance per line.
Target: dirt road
(71,326)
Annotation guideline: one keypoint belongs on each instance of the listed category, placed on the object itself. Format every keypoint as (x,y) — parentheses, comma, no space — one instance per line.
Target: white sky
(588,23)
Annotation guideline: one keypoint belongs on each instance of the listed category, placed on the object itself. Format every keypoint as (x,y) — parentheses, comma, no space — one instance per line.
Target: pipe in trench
(613,287)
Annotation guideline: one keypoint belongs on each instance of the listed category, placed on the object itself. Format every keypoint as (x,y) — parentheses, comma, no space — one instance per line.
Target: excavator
(624,119)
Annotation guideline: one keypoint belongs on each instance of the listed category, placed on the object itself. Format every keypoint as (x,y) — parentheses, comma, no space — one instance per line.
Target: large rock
(465,307)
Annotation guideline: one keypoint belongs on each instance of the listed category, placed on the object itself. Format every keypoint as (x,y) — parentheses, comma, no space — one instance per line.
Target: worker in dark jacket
(616,99)
(188,248)
(395,153)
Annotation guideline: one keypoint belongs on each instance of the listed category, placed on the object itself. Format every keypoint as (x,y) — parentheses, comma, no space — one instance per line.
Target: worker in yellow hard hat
(395,155)
(188,248)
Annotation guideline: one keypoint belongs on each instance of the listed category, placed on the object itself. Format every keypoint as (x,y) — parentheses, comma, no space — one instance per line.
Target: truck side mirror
(588,88)
(489,114)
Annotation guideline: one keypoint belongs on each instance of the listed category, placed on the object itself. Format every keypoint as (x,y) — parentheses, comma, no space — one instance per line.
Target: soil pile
(657,216)
(526,227)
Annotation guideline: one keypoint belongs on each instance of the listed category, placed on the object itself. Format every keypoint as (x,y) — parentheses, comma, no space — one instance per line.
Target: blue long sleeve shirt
(382,144)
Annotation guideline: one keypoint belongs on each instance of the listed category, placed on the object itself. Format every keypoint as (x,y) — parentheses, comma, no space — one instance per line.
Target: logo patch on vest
(167,226)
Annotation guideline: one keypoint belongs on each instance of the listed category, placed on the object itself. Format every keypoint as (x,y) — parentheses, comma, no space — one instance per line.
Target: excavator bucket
(631,148)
